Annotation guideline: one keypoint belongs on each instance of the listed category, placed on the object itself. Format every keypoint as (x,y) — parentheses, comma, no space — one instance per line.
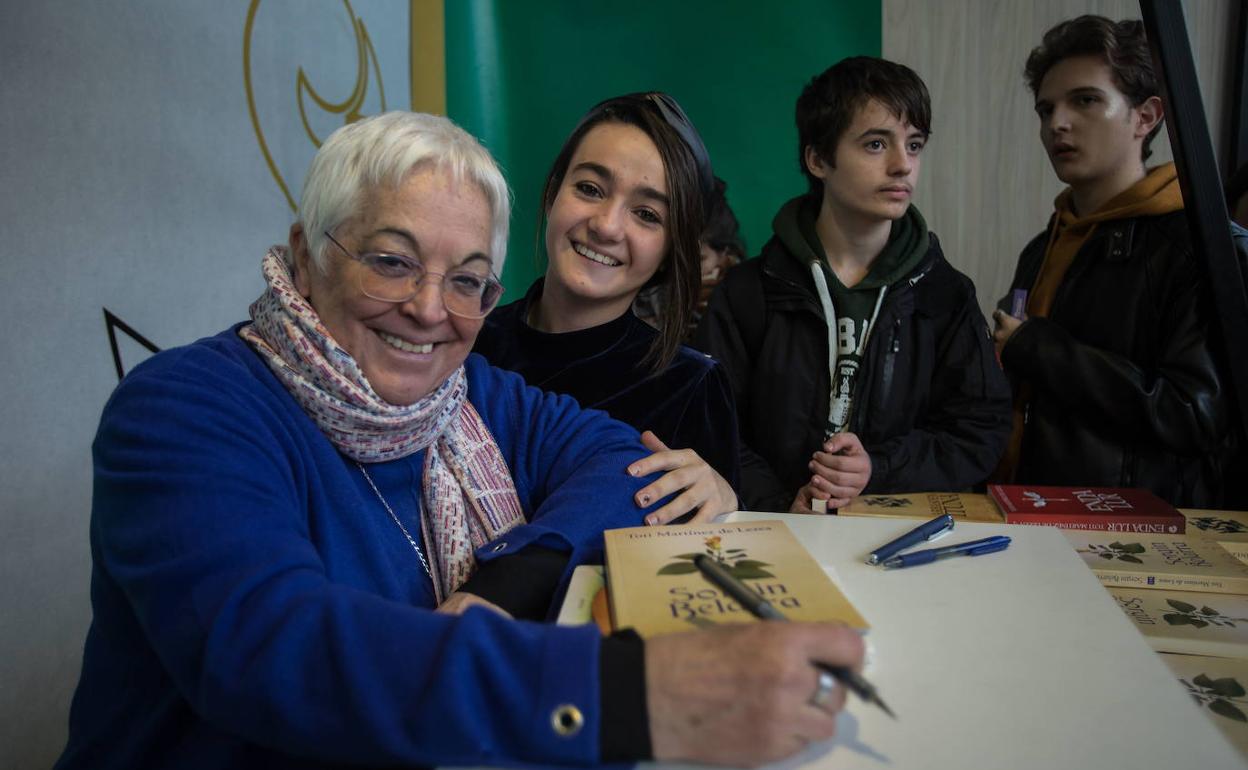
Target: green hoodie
(849,312)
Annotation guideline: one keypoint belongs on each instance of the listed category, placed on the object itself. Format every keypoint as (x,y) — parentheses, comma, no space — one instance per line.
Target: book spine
(1199,583)
(1214,648)
(1130,525)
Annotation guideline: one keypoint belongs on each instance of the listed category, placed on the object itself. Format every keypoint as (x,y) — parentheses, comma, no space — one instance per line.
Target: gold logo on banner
(427,73)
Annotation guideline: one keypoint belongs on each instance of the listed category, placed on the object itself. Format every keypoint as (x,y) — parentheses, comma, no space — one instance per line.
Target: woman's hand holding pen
(839,472)
(699,485)
(742,694)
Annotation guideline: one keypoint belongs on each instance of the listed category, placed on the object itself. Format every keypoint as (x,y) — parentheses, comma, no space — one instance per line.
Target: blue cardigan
(255,607)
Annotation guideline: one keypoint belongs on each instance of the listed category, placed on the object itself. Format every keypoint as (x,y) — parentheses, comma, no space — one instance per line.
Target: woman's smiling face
(405,349)
(607,230)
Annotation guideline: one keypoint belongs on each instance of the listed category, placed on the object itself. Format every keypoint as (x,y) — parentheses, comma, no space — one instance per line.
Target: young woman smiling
(623,206)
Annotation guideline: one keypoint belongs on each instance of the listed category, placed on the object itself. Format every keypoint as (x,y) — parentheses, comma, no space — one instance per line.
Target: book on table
(962,506)
(1186,622)
(654,587)
(1136,511)
(1228,528)
(1219,687)
(1177,562)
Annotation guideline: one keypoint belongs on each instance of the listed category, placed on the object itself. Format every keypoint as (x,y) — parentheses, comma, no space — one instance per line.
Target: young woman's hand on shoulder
(700,487)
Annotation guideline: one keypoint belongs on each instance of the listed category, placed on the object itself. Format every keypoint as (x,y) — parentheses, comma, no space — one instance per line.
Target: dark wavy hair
(831,99)
(1121,44)
(679,276)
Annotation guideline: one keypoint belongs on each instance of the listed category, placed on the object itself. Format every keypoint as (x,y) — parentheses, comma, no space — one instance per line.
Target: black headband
(674,116)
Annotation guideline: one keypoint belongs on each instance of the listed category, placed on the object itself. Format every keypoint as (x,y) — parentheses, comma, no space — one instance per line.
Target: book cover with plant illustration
(1218,687)
(655,588)
(1187,622)
(1088,508)
(962,506)
(1176,562)
(1228,528)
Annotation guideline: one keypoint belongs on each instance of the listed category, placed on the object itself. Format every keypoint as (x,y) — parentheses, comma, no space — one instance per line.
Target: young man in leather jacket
(1117,380)
(859,358)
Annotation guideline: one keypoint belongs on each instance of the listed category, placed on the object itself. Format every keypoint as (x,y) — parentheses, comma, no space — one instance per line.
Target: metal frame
(1237,141)
(1201,184)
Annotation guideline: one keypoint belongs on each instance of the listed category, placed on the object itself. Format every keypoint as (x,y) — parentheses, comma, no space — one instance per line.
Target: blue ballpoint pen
(925,532)
(927,556)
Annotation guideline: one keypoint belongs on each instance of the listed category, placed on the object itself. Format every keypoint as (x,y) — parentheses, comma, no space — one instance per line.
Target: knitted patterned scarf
(468,498)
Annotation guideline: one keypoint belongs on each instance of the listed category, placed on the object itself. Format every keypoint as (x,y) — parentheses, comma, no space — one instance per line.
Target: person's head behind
(1121,45)
(403,216)
(721,236)
(612,228)
(832,100)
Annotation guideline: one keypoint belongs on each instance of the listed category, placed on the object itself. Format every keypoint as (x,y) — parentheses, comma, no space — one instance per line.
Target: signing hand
(459,602)
(1006,325)
(704,489)
(741,694)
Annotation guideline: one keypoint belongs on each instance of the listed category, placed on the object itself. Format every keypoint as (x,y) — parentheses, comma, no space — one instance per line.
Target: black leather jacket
(1127,385)
(931,405)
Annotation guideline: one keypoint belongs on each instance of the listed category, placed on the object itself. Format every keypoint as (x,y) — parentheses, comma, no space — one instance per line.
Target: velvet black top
(688,404)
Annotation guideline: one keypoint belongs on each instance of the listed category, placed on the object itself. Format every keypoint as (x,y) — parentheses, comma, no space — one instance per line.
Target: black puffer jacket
(931,405)
(1127,386)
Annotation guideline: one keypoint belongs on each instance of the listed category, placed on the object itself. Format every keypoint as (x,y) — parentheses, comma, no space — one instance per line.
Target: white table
(1016,660)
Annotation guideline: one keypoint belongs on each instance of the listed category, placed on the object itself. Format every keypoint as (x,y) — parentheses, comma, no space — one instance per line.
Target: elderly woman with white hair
(280,509)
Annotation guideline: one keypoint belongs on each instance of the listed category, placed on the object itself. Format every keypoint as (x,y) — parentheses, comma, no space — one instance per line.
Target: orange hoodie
(1157,193)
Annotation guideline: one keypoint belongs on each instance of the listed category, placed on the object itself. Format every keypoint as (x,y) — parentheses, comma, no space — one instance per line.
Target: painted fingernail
(643,499)
(652,520)
(632,470)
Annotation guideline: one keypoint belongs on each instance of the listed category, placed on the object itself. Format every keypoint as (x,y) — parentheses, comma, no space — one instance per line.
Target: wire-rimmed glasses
(466,292)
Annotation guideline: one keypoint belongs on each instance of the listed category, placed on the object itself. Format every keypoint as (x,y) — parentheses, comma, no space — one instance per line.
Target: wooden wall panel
(986,186)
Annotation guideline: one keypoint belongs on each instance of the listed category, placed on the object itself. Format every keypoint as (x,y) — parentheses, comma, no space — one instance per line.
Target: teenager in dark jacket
(858,356)
(1117,379)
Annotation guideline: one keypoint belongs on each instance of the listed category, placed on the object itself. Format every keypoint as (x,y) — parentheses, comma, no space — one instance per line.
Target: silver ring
(823,690)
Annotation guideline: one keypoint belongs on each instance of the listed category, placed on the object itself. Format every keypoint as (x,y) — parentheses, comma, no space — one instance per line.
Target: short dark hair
(722,231)
(1121,44)
(831,99)
(680,276)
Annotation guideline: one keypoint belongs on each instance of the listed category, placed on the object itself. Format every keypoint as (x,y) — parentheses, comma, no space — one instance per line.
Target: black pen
(764,610)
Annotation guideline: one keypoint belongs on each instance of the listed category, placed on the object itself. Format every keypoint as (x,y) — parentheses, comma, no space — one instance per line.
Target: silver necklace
(403,529)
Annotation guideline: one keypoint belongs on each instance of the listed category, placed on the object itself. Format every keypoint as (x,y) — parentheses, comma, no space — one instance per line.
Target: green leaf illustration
(1105,555)
(1128,557)
(1177,620)
(1181,606)
(1134,548)
(1208,611)
(1117,546)
(1228,710)
(680,568)
(736,550)
(1200,680)
(1227,687)
(687,556)
(1198,623)
(752,563)
(749,573)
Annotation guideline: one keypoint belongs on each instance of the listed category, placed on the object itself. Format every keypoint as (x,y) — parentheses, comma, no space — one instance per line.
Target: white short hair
(383,150)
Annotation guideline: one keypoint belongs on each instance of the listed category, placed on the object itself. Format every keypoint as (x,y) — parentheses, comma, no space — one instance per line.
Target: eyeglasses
(396,278)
